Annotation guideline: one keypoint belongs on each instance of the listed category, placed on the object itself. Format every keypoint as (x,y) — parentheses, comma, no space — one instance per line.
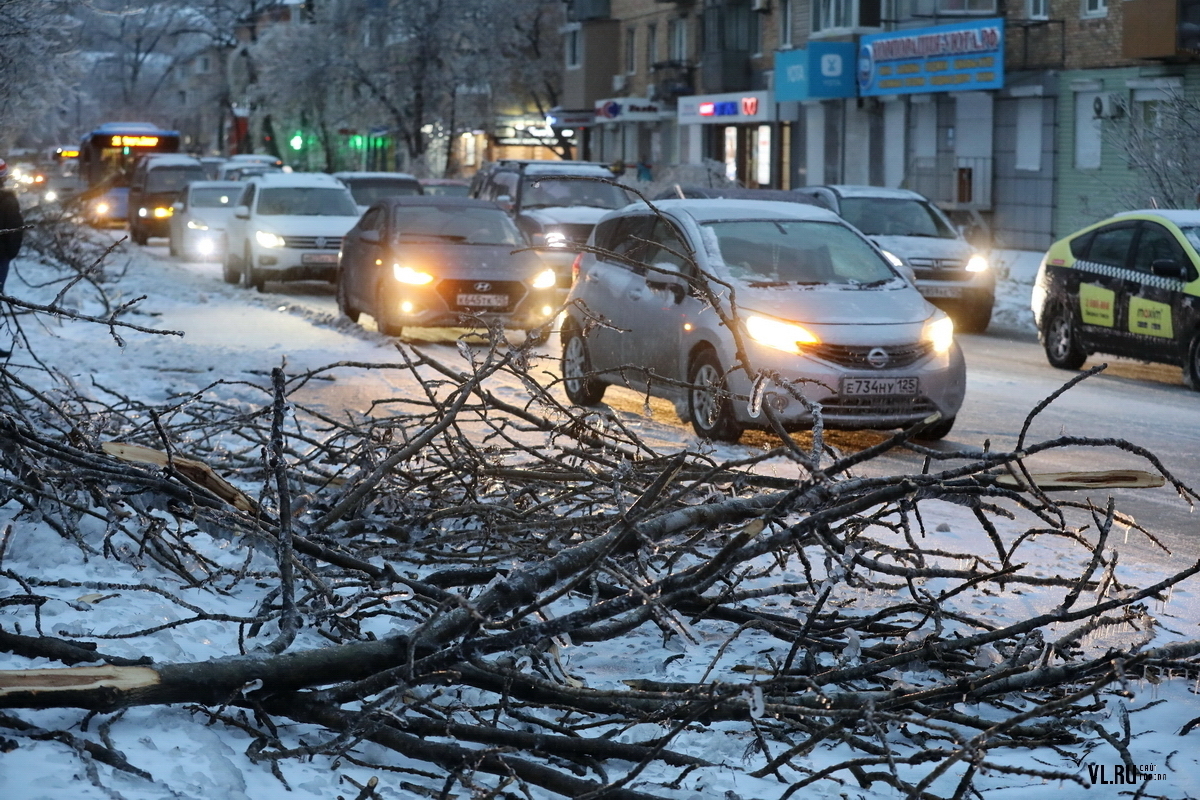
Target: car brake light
(575,267)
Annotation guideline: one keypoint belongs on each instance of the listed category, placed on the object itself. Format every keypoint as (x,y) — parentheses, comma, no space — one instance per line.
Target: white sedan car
(288,227)
(197,228)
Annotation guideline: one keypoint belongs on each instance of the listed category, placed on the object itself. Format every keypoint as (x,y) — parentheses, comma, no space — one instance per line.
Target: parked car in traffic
(555,203)
(288,227)
(691,192)
(822,319)
(106,209)
(197,228)
(443,262)
(452,187)
(367,187)
(1128,286)
(154,186)
(950,272)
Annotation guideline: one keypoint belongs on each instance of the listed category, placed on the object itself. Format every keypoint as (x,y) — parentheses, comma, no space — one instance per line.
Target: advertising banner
(963,57)
(820,71)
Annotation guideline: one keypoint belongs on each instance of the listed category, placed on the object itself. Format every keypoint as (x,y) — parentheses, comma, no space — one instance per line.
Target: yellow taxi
(1125,286)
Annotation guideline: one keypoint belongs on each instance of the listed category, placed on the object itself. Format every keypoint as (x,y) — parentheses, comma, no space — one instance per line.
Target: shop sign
(628,109)
(570,118)
(822,70)
(963,57)
(726,109)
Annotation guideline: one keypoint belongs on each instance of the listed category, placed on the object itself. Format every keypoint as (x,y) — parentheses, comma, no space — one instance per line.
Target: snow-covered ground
(238,336)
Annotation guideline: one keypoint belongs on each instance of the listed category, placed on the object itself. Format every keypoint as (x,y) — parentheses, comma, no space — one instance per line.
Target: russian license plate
(940,291)
(857,387)
(483,300)
(318,258)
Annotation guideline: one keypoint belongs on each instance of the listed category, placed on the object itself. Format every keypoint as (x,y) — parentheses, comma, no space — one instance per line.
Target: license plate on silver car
(318,258)
(857,387)
(483,300)
(940,291)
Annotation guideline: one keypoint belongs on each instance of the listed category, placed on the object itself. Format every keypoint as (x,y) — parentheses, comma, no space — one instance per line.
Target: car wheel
(252,278)
(138,236)
(173,249)
(974,318)
(581,387)
(231,270)
(708,401)
(343,302)
(936,431)
(1191,367)
(1061,340)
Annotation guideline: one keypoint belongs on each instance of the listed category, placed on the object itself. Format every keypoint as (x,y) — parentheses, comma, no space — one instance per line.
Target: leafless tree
(38,68)
(1160,140)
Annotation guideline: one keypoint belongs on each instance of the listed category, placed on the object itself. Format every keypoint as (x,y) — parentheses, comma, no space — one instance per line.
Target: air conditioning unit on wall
(1108,106)
(618,83)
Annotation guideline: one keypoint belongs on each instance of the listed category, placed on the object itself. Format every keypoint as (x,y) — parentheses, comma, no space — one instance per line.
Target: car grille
(313,242)
(938,268)
(450,291)
(858,357)
(576,232)
(881,405)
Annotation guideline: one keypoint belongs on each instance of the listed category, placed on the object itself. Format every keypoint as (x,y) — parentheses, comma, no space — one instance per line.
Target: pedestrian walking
(644,172)
(11,225)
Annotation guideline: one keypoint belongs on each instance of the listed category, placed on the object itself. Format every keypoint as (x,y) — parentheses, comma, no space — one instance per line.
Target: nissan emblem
(878,357)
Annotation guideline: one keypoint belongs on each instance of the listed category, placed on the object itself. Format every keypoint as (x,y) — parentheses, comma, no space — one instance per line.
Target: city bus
(106,159)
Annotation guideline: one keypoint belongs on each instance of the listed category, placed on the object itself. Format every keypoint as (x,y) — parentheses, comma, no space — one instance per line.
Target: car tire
(173,249)
(1191,366)
(231,270)
(974,318)
(709,404)
(936,431)
(138,235)
(343,302)
(252,278)
(581,386)
(1060,338)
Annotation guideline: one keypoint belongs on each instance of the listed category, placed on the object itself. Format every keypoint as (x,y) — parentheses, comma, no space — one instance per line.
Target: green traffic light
(297,142)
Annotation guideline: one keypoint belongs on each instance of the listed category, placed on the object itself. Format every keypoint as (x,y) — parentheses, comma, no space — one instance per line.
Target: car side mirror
(1168,268)
(370,237)
(177,205)
(242,212)
(667,284)
(505,202)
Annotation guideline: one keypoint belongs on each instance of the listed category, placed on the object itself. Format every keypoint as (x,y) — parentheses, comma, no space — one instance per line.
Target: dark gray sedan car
(429,261)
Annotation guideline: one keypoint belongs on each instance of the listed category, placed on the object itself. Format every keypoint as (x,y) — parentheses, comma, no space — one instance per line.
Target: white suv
(288,227)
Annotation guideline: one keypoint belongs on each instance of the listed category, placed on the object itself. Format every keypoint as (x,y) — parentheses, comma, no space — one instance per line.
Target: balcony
(1161,30)
(587,10)
(725,71)
(672,79)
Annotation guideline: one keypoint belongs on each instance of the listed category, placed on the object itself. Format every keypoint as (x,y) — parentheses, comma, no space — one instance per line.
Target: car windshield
(215,197)
(306,201)
(447,189)
(551,191)
(457,224)
(778,252)
(367,190)
(172,179)
(882,216)
(1192,232)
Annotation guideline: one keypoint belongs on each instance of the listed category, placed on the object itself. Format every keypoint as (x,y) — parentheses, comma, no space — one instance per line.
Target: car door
(237,237)
(1150,297)
(658,302)
(605,292)
(365,255)
(1101,269)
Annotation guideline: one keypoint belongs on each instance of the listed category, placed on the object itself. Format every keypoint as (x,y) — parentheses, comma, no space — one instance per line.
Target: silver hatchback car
(749,313)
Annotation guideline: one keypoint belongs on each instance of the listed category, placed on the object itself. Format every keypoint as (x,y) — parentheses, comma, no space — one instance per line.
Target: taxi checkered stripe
(1109,271)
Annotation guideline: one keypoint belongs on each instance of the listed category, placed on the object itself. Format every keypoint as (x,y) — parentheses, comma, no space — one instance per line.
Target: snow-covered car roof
(297,179)
(375,175)
(711,210)
(854,190)
(216,185)
(172,159)
(565,168)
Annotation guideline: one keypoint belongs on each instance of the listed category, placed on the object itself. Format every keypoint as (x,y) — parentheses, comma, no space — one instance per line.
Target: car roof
(443,200)
(566,168)
(444,181)
(297,179)
(216,184)
(736,193)
(253,157)
(717,209)
(381,174)
(1179,216)
(857,190)
(171,159)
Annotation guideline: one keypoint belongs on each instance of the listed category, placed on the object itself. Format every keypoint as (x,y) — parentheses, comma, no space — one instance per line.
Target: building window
(967,6)
(1029,134)
(785,24)
(651,45)
(631,50)
(1037,9)
(202,65)
(677,49)
(1095,8)
(1087,131)
(828,15)
(573,48)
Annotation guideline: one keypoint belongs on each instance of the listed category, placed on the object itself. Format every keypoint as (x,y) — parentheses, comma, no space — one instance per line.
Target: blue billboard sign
(963,57)
(822,70)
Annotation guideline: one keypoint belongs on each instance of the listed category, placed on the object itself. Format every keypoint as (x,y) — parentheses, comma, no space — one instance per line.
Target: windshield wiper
(447,236)
(873,284)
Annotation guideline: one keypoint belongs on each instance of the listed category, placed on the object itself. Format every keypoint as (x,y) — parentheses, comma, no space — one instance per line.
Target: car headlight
(101,209)
(406,274)
(895,260)
(977,263)
(939,332)
(555,238)
(197,225)
(268,239)
(162,212)
(544,279)
(785,336)
(51,196)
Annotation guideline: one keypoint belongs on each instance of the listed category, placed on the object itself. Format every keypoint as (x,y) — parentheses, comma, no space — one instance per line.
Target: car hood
(466,261)
(907,247)
(838,305)
(314,225)
(212,217)
(573,215)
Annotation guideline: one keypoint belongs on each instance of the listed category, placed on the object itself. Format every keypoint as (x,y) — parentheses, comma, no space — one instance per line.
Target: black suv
(552,202)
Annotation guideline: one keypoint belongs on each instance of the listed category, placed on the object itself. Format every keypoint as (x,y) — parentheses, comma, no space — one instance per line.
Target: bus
(106,159)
